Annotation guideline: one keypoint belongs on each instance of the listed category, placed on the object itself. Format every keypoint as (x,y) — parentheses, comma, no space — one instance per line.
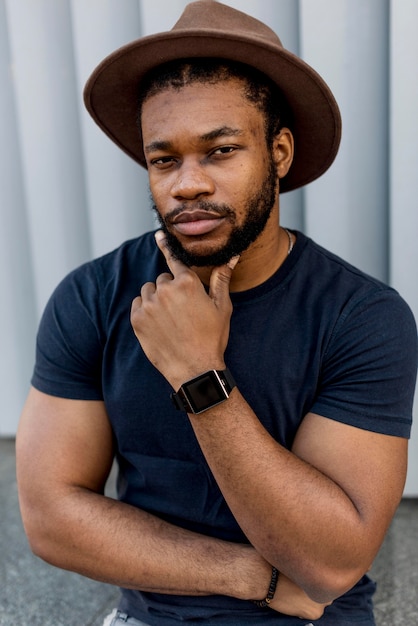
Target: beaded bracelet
(271,591)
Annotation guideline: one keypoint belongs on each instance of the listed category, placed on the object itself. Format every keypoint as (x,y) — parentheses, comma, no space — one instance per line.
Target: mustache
(223,210)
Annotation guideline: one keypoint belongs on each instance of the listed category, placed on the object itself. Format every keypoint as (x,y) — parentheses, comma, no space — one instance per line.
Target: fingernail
(232,262)
(159,235)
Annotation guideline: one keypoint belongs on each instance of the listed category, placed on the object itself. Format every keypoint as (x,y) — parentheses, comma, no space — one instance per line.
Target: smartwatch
(205,391)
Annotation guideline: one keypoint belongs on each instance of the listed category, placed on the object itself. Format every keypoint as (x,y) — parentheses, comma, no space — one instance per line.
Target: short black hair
(258,88)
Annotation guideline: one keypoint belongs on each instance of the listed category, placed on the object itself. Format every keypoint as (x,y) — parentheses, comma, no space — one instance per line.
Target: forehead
(200,107)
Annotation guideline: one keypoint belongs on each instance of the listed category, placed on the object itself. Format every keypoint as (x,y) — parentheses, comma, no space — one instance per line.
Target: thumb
(219,282)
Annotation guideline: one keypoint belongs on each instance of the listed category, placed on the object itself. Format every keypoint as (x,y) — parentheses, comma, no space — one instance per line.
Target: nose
(192,180)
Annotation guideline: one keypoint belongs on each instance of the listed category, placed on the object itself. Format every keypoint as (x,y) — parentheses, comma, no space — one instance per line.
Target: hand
(292,600)
(183,330)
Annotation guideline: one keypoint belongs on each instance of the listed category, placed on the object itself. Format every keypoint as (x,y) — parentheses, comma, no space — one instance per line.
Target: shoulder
(358,303)
(330,266)
(140,253)
(99,292)
(133,262)
(89,305)
(344,287)
(369,352)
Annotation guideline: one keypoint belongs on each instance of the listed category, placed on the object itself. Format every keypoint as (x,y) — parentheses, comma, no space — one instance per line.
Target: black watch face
(204,391)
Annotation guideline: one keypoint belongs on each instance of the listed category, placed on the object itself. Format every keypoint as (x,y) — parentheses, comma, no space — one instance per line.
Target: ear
(283,147)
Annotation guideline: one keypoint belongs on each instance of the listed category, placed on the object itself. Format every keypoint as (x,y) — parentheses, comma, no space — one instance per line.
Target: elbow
(323,580)
(39,534)
(326,577)
(39,547)
(46,549)
(37,539)
(325,587)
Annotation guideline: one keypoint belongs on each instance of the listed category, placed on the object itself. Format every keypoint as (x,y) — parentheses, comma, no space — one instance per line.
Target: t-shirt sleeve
(70,339)
(369,369)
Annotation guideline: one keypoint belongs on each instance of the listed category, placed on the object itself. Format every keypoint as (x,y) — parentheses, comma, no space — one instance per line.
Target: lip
(194,223)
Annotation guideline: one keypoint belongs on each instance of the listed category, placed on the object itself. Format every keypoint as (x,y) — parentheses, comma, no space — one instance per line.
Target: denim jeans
(117,618)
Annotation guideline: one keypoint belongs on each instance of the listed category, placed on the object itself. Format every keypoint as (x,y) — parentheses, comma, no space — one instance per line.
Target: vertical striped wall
(67,194)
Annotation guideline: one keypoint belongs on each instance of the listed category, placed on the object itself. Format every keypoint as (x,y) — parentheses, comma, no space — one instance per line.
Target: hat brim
(111,93)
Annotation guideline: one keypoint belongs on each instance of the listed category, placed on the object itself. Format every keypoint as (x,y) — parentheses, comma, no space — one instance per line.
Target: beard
(258,210)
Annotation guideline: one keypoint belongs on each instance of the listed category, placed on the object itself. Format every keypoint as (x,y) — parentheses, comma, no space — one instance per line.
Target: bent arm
(318,512)
(64,455)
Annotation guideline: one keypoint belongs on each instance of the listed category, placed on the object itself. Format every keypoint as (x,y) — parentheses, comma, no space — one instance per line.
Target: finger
(163,278)
(174,264)
(136,304)
(219,283)
(147,290)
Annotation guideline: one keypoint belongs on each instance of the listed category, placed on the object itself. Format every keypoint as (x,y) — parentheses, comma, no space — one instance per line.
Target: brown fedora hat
(210,29)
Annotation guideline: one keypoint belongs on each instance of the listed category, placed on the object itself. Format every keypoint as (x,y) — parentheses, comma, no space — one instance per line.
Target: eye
(163,162)
(224,150)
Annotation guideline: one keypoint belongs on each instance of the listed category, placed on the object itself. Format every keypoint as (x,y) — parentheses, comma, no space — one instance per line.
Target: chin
(201,255)
(200,251)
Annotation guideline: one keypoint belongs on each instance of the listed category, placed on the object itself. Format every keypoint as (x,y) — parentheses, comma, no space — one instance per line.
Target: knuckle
(187,280)
(147,307)
(224,276)
(136,307)
(165,276)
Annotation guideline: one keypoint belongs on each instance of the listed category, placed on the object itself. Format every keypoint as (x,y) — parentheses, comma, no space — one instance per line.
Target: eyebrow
(223,131)
(216,133)
(155,146)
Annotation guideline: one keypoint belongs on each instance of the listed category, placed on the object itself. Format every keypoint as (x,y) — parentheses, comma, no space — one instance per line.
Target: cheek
(243,188)
(160,194)
(237,183)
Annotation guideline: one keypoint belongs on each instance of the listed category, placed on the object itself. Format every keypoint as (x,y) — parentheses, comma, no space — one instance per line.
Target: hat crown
(214,16)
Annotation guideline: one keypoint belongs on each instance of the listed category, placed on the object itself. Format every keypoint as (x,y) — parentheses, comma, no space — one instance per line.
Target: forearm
(70,524)
(294,515)
(118,544)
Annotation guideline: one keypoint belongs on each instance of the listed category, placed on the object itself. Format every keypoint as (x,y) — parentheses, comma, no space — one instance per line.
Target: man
(261,491)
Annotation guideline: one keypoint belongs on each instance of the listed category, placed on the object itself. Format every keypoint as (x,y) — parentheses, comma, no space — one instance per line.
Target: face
(213,179)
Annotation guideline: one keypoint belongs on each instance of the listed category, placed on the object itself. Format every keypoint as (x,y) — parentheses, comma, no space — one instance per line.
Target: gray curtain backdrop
(67,194)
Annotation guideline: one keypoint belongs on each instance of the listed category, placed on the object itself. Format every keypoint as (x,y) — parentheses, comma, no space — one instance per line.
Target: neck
(260,261)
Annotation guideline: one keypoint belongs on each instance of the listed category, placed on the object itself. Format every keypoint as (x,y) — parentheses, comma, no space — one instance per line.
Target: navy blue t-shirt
(318,336)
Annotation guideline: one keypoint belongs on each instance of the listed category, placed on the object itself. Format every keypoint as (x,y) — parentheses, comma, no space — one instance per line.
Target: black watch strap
(204,391)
